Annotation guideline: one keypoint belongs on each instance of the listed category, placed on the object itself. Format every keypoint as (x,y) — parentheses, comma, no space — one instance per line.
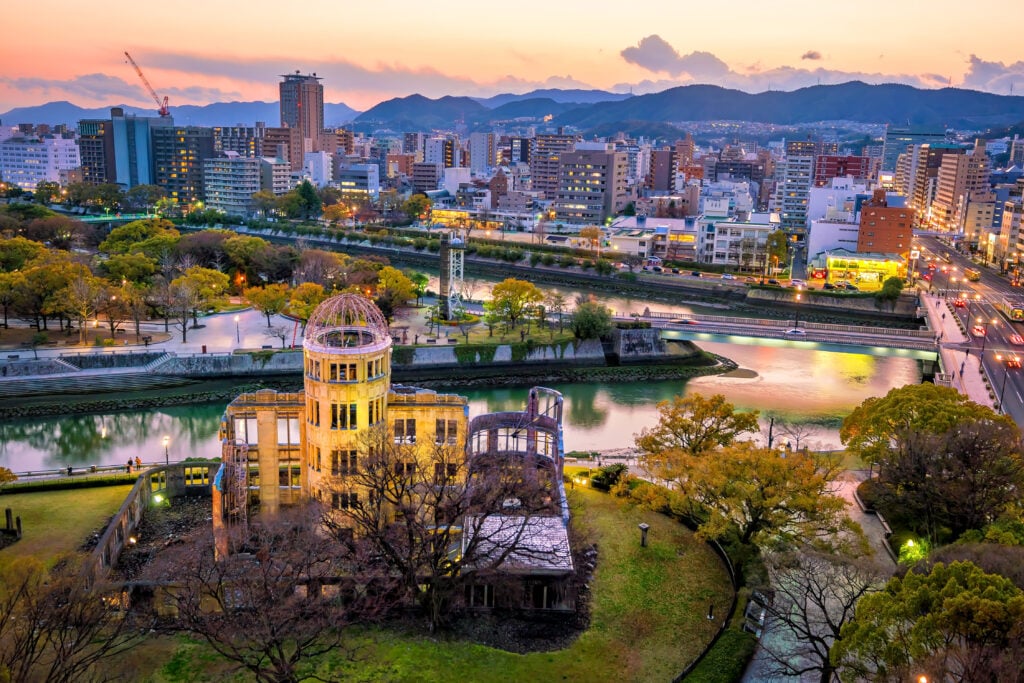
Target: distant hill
(568,96)
(216,114)
(854,101)
(533,108)
(417,112)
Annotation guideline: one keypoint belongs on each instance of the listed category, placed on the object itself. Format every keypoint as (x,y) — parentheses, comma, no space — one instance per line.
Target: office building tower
(302,105)
(229,182)
(96,151)
(545,158)
(829,166)
(898,139)
(884,229)
(592,185)
(26,161)
(133,147)
(481,152)
(178,156)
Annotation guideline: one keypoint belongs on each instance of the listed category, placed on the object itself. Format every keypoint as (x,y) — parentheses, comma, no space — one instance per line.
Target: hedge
(68,483)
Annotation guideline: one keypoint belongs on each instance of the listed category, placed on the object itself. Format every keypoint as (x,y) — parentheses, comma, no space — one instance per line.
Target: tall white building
(28,161)
(320,167)
(275,175)
(481,153)
(229,183)
(358,180)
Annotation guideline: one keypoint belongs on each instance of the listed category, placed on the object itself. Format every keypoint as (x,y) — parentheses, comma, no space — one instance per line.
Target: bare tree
(282,602)
(54,627)
(438,521)
(797,432)
(815,595)
(278,332)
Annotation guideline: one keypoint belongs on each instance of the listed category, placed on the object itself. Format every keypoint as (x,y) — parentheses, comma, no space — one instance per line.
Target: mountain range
(594,110)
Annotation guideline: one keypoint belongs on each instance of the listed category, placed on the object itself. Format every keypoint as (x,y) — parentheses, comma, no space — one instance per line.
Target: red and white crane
(164,108)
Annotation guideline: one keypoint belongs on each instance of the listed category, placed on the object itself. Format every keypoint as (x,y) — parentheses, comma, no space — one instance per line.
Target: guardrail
(769,322)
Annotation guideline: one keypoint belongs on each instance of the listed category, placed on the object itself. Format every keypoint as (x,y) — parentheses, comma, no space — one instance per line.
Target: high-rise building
(663,170)
(275,175)
(928,160)
(960,178)
(592,185)
(684,152)
(545,158)
(229,182)
(302,105)
(481,152)
(96,151)
(797,175)
(898,139)
(133,147)
(425,176)
(246,141)
(178,156)
(284,143)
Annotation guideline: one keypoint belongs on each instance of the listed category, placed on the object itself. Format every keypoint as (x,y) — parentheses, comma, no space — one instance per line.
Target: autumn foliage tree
(269,300)
(512,298)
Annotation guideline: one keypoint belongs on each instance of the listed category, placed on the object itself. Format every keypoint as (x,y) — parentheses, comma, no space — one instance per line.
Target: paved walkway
(963,368)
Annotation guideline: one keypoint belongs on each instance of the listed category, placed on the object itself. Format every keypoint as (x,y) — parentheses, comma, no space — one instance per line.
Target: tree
(264,201)
(692,425)
(134,267)
(880,425)
(336,213)
(394,287)
(592,234)
(197,288)
(815,595)
(591,321)
(309,200)
(269,300)
(556,302)
(47,192)
(304,300)
(17,251)
(775,248)
(83,296)
(278,332)
(419,282)
(6,476)
(144,196)
(890,292)
(512,298)
(53,627)
(417,207)
(955,623)
(763,496)
(266,610)
(126,238)
(797,433)
(10,284)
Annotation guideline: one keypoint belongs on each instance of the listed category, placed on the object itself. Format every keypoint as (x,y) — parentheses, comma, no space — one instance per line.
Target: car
(728,276)
(1016,339)
(851,288)
(1013,362)
(656,269)
(977,331)
(695,273)
(750,279)
(676,271)
(796,332)
(796,282)
(775,282)
(828,285)
(960,303)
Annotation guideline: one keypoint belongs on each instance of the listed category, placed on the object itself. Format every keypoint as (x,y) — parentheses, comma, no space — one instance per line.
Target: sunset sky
(200,52)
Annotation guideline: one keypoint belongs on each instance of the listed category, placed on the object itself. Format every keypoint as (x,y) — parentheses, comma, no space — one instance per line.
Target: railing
(767,322)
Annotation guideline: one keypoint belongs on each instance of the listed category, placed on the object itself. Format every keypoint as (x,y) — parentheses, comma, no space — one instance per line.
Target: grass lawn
(648,617)
(57,522)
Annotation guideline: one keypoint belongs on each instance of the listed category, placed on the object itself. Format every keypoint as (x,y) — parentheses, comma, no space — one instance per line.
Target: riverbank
(225,391)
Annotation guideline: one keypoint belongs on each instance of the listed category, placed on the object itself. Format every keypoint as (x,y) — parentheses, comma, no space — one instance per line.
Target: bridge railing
(774,323)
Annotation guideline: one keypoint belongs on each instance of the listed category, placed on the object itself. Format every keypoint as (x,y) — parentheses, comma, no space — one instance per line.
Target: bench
(431,341)
(453,341)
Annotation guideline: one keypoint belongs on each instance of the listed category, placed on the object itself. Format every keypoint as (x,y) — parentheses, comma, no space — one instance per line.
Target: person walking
(138,463)
(128,467)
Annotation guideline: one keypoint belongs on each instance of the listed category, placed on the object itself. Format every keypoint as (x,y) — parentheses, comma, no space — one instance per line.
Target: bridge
(115,217)
(681,326)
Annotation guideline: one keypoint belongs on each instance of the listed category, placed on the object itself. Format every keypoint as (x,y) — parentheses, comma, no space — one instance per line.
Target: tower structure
(453,253)
(302,105)
(347,356)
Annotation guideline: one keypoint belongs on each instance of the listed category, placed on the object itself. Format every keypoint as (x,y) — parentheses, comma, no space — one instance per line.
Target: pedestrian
(138,463)
(69,470)
(128,467)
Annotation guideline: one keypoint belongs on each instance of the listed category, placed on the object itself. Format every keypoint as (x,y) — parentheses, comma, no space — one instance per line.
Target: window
(197,476)
(289,476)
(446,432)
(405,468)
(479,595)
(245,429)
(288,431)
(314,412)
(344,462)
(343,415)
(405,431)
(316,461)
(445,471)
(376,408)
(344,501)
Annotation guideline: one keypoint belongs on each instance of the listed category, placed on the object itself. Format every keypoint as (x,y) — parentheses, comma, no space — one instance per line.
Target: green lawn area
(648,617)
(57,522)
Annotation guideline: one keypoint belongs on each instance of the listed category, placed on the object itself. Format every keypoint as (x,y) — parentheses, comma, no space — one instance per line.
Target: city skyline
(200,54)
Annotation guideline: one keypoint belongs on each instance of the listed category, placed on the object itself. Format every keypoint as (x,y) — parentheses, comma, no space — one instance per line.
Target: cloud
(811,54)
(994,77)
(103,88)
(655,54)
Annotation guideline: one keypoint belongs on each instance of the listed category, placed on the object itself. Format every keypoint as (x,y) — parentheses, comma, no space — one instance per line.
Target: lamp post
(238,334)
(167,453)
(947,270)
(643,533)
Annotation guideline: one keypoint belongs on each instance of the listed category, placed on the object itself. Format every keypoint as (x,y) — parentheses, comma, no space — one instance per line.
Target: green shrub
(548,259)
(566,261)
(68,483)
(608,476)
(726,660)
(535,258)
(402,355)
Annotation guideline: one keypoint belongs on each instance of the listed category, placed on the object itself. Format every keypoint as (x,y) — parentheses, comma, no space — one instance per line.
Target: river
(816,388)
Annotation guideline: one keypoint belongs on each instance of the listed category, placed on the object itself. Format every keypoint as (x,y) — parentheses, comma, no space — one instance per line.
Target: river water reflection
(816,388)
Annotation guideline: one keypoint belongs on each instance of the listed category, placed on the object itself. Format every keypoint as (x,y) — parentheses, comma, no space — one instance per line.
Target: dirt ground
(20,337)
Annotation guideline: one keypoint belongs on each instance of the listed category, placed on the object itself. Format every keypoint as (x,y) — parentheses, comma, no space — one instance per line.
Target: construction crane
(164,108)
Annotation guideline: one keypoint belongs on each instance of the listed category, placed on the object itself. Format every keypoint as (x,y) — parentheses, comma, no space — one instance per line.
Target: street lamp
(238,335)
(984,337)
(948,270)
(167,454)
